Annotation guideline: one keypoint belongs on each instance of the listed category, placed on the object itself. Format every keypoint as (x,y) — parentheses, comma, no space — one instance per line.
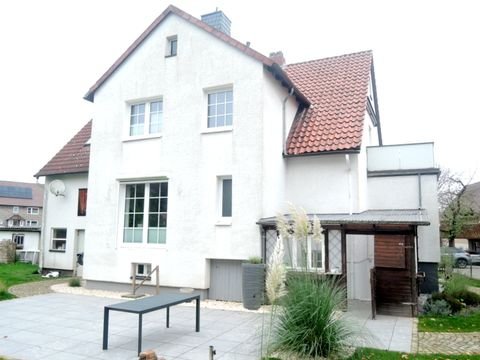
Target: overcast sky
(426,56)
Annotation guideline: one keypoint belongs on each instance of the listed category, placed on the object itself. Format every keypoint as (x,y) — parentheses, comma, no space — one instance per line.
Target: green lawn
(453,323)
(373,354)
(16,273)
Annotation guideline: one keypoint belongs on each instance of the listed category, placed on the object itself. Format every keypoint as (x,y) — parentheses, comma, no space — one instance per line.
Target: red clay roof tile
(74,157)
(337,89)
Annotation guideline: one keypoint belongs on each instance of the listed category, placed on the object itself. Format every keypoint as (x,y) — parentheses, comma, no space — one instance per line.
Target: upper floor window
(31,223)
(16,210)
(32,210)
(82,202)
(145,217)
(172,42)
(146,118)
(220,108)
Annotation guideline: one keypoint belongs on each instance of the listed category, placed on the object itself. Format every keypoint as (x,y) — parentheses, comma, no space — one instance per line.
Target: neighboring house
(65,206)
(469,236)
(198,141)
(21,217)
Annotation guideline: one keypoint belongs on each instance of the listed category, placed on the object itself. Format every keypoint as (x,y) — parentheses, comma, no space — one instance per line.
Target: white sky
(426,55)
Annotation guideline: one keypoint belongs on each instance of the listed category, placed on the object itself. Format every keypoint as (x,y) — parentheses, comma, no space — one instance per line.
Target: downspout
(419,190)
(42,229)
(349,169)
(284,121)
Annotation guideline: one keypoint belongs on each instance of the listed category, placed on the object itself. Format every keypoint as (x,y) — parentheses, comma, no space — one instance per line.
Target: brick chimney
(277,57)
(218,20)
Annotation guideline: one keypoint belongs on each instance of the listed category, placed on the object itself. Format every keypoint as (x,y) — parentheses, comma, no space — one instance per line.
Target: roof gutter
(333,152)
(280,75)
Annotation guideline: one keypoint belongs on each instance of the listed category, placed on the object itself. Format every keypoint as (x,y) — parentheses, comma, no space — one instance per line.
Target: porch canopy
(365,219)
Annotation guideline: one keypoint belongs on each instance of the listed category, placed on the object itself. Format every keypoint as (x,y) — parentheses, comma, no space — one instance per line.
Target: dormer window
(171,46)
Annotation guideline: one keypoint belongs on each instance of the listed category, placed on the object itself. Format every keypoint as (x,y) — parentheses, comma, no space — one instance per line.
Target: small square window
(146,118)
(172,43)
(16,209)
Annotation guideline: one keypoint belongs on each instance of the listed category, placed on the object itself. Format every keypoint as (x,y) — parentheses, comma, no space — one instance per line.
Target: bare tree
(455,207)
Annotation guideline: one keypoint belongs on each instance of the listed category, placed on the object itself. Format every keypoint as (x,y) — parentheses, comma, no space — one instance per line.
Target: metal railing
(135,287)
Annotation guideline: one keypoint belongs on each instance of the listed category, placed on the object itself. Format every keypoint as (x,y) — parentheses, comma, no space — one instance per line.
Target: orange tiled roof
(337,89)
(74,157)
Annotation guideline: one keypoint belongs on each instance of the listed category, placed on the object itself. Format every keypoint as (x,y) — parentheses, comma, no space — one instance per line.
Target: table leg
(105,328)
(197,317)
(139,333)
(168,316)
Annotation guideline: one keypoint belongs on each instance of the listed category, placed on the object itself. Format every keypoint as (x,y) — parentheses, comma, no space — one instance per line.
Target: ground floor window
(145,213)
(304,254)
(18,240)
(59,239)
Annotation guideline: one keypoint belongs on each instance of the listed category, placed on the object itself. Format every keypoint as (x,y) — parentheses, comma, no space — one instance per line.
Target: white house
(65,201)
(198,141)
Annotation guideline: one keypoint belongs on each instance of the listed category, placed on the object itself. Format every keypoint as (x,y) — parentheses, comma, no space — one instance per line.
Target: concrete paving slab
(66,326)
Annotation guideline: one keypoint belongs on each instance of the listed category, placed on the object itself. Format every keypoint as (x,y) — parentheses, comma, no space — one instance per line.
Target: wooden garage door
(225,280)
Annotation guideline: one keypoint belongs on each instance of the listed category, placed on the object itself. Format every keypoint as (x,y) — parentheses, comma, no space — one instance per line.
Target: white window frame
(141,275)
(294,258)
(146,213)
(16,209)
(53,246)
(212,109)
(33,210)
(223,220)
(19,240)
(168,49)
(31,223)
(147,119)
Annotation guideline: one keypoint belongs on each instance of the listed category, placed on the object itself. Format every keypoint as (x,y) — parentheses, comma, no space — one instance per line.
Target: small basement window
(142,271)
(172,42)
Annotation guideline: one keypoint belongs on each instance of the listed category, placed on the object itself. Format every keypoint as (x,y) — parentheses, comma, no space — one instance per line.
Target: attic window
(171,46)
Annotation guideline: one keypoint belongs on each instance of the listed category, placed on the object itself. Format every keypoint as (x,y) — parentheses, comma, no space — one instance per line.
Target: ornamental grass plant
(306,319)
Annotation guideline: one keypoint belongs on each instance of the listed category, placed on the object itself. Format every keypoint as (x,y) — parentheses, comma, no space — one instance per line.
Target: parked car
(474,257)
(459,256)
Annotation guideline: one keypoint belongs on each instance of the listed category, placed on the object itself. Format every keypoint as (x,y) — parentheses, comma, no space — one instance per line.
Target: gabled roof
(73,158)
(267,62)
(337,88)
(36,199)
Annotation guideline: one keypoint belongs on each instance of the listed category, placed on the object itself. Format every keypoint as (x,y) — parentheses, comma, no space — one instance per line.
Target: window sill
(217,129)
(56,251)
(142,137)
(170,56)
(224,222)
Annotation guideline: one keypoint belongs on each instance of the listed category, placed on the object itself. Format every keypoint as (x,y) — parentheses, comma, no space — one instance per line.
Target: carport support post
(139,333)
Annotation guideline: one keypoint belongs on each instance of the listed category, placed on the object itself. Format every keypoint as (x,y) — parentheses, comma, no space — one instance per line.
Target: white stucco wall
(190,156)
(274,164)
(62,212)
(402,192)
(320,184)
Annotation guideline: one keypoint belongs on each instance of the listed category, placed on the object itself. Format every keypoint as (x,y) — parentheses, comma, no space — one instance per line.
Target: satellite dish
(57,188)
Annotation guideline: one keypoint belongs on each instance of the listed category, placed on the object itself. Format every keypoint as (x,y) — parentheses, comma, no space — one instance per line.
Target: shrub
(437,307)
(455,304)
(3,290)
(254,260)
(455,284)
(467,297)
(310,323)
(74,282)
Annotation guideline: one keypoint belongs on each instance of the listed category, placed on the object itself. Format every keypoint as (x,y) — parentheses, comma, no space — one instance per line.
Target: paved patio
(65,326)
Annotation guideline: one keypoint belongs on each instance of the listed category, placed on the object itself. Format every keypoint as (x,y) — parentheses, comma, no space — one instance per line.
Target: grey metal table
(146,305)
